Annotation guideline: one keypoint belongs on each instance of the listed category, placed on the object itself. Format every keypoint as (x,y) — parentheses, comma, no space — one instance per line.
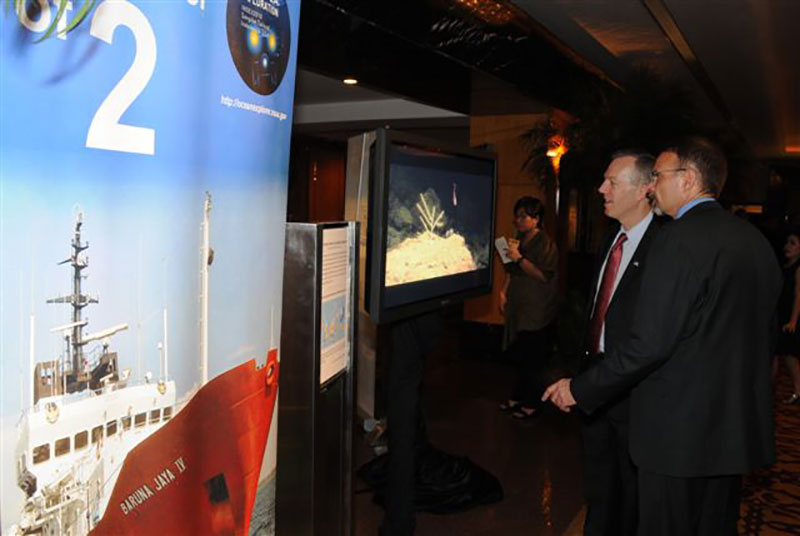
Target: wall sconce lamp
(556,148)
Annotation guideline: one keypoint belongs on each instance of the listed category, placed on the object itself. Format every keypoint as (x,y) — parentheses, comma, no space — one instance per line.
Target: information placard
(335,303)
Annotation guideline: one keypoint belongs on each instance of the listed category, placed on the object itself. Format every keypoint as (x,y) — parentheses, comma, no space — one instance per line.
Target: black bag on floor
(445,483)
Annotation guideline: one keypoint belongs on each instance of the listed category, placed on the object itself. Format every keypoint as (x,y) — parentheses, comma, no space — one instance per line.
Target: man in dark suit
(609,474)
(697,356)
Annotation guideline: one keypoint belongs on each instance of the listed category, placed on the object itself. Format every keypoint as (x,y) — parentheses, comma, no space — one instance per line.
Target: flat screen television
(431,225)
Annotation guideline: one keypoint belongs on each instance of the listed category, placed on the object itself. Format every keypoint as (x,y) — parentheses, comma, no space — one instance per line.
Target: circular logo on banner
(259,38)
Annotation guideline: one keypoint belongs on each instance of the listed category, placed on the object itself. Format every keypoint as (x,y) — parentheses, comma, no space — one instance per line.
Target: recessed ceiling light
(349,81)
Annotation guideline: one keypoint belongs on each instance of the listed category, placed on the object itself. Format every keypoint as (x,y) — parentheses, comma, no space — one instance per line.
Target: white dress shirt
(635,235)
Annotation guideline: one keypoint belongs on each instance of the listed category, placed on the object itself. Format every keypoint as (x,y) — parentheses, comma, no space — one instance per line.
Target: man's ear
(689,180)
(648,190)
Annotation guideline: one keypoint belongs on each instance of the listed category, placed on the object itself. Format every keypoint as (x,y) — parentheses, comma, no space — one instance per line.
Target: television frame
(375,270)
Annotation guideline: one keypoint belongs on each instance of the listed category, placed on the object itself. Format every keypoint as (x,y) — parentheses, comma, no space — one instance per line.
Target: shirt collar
(636,232)
(691,204)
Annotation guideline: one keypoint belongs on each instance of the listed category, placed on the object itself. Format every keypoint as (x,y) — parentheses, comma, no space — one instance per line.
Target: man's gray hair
(643,164)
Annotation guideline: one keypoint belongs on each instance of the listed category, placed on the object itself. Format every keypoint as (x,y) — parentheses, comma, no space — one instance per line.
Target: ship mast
(77,299)
(206,257)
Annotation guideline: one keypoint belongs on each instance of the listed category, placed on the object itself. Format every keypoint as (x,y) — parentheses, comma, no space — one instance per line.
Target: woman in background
(789,312)
(529,302)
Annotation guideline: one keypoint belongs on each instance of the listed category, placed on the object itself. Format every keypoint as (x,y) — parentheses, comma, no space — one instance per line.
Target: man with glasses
(697,357)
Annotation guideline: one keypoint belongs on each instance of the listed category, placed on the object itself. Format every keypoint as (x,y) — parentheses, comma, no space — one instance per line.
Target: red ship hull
(199,473)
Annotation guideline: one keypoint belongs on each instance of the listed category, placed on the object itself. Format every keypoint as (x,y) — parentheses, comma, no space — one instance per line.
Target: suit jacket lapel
(638,257)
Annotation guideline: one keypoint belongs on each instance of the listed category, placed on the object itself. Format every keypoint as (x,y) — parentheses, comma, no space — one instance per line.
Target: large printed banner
(143,181)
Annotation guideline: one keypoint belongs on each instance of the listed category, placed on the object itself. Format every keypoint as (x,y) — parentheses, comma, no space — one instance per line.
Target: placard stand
(315,407)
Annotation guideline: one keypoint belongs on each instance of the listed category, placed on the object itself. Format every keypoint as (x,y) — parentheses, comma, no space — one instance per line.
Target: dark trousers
(609,474)
(529,353)
(703,506)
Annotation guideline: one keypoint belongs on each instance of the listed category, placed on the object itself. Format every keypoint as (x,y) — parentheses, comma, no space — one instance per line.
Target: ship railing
(76,396)
(54,497)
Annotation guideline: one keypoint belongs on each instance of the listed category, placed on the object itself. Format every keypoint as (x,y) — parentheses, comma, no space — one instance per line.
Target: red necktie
(604,294)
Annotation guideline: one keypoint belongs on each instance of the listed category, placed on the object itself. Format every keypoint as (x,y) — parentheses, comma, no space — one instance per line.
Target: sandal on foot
(524,413)
(509,405)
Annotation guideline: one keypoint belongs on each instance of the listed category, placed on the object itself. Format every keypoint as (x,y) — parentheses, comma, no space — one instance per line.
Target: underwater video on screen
(440,215)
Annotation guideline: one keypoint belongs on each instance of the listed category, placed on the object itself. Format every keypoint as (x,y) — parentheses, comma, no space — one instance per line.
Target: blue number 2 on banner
(105,130)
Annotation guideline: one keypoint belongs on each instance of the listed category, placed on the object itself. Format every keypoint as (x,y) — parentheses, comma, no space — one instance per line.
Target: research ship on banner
(98,454)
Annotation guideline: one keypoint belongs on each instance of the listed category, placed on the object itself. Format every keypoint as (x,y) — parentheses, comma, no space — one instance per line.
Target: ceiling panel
(749,49)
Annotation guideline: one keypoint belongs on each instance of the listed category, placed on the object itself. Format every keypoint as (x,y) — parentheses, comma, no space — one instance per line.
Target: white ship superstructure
(85,416)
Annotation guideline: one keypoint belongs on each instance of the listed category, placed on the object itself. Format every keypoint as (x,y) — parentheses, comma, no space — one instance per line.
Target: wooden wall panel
(316,180)
(326,186)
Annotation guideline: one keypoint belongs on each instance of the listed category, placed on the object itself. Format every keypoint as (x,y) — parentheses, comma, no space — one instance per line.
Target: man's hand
(503,302)
(560,394)
(789,327)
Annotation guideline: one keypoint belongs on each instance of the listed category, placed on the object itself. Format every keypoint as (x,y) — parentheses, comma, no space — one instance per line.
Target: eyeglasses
(655,174)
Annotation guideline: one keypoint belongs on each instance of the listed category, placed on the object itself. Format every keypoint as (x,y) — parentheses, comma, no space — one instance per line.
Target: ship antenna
(32,361)
(206,257)
(31,347)
(166,325)
(21,345)
(166,347)
(77,299)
